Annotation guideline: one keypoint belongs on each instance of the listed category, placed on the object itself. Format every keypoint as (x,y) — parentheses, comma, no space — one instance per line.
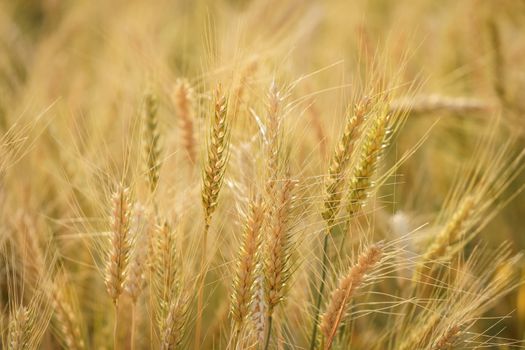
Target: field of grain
(262,174)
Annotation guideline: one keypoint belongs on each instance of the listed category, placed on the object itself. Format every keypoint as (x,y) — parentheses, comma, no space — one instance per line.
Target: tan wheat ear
(278,250)
(243,284)
(151,141)
(259,307)
(371,150)
(118,257)
(166,268)
(273,140)
(171,299)
(452,231)
(183,102)
(65,318)
(19,329)
(217,155)
(437,103)
(173,326)
(27,323)
(341,159)
(345,291)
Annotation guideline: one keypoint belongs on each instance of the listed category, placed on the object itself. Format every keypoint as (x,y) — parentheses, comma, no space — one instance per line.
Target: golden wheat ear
(217,155)
(170,292)
(182,98)
(118,257)
(151,140)
(345,291)
(243,284)
(361,180)
(341,159)
(473,202)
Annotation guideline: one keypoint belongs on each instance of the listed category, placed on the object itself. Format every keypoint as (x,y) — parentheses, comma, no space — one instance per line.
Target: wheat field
(262,174)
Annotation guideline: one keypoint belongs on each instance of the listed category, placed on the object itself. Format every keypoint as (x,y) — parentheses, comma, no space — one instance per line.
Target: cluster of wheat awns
(144,267)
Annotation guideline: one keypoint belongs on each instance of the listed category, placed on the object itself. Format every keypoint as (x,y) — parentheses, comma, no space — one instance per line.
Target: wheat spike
(453,230)
(278,246)
(243,285)
(172,328)
(19,329)
(118,258)
(151,141)
(166,269)
(340,160)
(364,170)
(345,291)
(217,156)
(183,102)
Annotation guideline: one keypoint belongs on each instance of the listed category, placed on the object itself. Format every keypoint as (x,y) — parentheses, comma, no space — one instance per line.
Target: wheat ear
(278,251)
(118,258)
(27,324)
(345,291)
(151,141)
(166,281)
(363,172)
(19,329)
(183,102)
(66,319)
(217,156)
(243,284)
(340,161)
(173,326)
